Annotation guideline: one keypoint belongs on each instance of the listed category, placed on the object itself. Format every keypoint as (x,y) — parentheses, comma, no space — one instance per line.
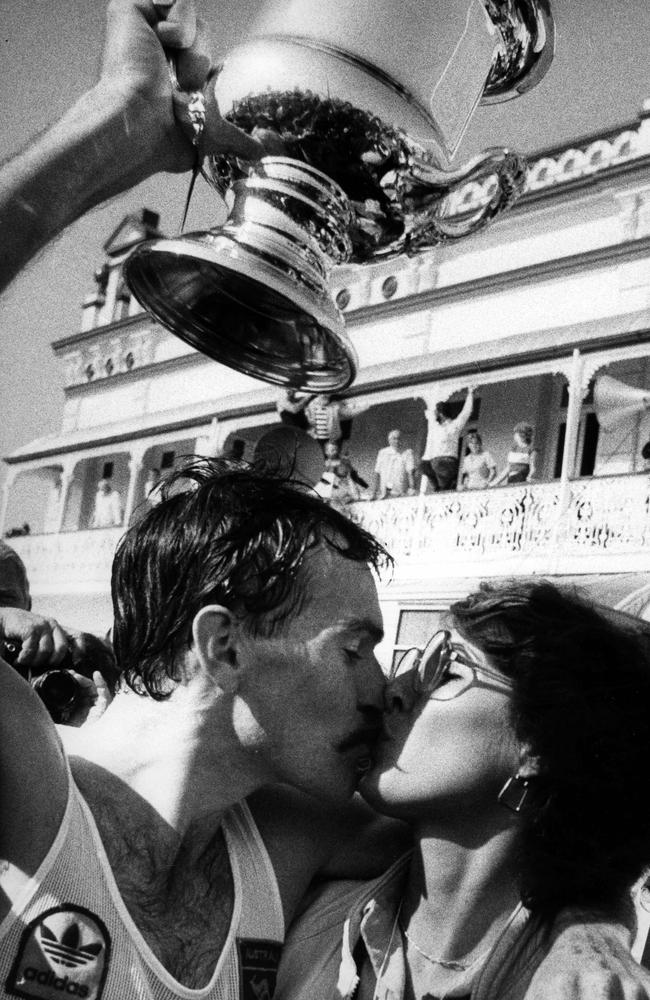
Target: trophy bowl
(360,109)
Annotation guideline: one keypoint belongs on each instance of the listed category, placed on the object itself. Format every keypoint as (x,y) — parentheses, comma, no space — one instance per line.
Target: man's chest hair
(184,914)
(182,907)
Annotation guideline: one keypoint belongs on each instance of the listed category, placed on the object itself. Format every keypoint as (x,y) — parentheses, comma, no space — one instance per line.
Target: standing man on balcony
(108,506)
(439,463)
(394,469)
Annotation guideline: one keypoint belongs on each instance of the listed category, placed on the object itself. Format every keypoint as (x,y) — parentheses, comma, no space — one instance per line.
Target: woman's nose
(401,692)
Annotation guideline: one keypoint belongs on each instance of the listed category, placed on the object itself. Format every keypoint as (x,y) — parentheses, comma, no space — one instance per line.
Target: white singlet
(69,933)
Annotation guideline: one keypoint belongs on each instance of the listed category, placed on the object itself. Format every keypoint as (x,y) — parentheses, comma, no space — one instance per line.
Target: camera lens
(58,690)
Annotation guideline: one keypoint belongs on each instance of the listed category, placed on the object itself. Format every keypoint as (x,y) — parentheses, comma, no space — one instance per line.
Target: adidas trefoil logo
(67,951)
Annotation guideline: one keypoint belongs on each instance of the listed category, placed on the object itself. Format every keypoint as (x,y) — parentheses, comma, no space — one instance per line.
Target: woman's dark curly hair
(222,533)
(581,700)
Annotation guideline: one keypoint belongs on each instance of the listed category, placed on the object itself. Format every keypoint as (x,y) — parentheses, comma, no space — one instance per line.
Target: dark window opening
(590,445)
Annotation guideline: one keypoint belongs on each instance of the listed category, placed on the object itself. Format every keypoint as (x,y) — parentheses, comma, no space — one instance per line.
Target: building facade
(532,312)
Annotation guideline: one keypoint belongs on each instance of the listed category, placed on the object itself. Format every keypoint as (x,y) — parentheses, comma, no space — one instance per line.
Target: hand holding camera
(74,673)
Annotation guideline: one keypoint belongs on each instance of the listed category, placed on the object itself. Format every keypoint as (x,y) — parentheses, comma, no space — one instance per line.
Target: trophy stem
(254,294)
(293,217)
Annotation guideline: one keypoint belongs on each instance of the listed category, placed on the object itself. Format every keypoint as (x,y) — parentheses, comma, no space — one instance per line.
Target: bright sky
(50,54)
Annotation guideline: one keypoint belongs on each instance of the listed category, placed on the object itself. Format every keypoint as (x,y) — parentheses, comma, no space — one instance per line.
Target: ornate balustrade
(531,527)
(72,562)
(597,525)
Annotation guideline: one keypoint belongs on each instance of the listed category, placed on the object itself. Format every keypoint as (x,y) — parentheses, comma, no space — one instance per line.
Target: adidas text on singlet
(69,933)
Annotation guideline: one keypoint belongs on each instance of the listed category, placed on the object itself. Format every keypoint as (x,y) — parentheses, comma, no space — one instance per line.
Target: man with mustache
(175,836)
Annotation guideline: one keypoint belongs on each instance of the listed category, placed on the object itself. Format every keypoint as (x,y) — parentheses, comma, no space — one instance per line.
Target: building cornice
(472,363)
(540,271)
(117,327)
(147,330)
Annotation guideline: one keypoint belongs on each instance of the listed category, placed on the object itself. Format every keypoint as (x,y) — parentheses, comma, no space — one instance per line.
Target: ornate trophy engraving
(361,106)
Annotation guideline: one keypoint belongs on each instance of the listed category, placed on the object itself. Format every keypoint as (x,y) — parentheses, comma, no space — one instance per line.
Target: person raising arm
(133,123)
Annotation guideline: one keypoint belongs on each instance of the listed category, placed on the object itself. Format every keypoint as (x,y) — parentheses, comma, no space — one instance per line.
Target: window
(167,460)
(107,471)
(415,627)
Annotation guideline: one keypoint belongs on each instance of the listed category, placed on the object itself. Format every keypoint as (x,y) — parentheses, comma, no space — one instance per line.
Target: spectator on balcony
(439,465)
(108,506)
(325,419)
(394,469)
(479,468)
(337,486)
(332,452)
(522,458)
(24,529)
(291,409)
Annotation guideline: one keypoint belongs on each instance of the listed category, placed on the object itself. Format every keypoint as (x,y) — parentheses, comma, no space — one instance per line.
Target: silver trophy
(361,105)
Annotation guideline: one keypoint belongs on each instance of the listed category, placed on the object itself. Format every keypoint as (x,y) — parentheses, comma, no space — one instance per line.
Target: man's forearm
(75,165)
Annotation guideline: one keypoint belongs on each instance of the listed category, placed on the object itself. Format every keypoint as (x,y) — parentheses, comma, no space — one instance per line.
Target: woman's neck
(460,890)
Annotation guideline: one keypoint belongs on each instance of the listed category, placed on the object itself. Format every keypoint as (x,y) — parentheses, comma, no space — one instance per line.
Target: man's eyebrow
(364,625)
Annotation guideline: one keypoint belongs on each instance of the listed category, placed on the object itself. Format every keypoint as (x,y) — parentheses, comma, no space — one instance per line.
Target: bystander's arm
(33,785)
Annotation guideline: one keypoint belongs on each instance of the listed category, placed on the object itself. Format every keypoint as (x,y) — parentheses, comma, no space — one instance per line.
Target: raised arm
(466,411)
(130,125)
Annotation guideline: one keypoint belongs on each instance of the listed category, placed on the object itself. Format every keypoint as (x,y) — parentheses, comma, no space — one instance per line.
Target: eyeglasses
(443,670)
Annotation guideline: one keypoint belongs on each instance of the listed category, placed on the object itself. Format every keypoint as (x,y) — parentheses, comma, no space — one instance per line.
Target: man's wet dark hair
(581,700)
(222,534)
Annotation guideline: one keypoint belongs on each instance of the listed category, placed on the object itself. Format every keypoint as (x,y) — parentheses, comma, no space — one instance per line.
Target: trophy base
(244,309)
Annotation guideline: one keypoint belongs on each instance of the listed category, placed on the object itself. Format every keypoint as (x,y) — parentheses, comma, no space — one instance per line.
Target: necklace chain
(445,963)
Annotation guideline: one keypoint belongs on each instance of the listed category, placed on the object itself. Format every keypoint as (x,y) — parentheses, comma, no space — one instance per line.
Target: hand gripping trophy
(362,105)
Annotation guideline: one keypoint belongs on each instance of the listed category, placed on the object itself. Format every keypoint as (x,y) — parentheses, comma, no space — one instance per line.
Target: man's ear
(213,638)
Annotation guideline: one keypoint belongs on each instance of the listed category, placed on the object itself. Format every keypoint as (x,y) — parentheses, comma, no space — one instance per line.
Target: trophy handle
(526,49)
(436,225)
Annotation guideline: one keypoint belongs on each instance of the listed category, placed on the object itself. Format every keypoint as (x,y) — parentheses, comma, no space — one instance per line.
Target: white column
(4,498)
(577,391)
(67,476)
(135,468)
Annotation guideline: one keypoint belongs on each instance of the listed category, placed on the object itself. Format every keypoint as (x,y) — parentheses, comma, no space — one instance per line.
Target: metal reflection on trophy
(361,108)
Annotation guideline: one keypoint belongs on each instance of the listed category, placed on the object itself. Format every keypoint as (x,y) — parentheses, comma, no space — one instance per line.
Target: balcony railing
(598,525)
(594,525)
(72,562)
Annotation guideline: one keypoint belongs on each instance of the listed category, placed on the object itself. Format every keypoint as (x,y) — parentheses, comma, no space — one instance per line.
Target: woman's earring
(515,793)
